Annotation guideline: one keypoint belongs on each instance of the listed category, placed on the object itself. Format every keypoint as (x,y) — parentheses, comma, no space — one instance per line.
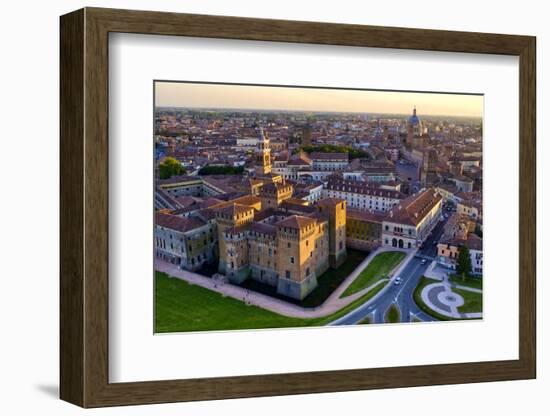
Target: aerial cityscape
(272,211)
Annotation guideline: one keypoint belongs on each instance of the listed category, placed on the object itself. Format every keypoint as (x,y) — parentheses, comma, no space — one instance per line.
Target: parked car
(424,261)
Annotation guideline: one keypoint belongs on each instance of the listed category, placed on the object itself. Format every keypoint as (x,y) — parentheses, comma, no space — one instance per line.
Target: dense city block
(272,203)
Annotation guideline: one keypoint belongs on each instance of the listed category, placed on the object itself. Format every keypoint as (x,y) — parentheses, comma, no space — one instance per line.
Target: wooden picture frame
(84,207)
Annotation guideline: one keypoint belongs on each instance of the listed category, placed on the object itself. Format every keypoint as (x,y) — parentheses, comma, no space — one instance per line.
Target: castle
(286,243)
(265,235)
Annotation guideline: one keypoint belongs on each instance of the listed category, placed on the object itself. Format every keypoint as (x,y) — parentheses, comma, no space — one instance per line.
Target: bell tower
(263,155)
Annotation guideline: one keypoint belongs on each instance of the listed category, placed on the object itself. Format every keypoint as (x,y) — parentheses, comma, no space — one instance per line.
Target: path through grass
(377,269)
(182,307)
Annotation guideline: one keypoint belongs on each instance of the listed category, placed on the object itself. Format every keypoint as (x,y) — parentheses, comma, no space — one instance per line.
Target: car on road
(424,261)
(397,281)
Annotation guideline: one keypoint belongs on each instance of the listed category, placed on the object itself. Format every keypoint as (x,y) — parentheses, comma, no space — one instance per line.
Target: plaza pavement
(332,304)
(439,297)
(435,271)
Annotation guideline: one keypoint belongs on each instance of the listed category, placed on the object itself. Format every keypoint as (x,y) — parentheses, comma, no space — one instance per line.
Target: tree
(331,148)
(170,167)
(479,231)
(221,170)
(464,262)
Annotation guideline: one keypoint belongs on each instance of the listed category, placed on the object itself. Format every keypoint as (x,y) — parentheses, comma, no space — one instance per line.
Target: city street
(402,294)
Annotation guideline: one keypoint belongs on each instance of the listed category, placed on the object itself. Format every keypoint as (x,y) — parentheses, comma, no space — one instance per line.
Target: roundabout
(450,299)
(441,298)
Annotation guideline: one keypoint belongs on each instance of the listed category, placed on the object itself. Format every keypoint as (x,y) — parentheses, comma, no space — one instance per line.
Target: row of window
(188,237)
(177,260)
(400,230)
(398,243)
(452,255)
(159,242)
(352,197)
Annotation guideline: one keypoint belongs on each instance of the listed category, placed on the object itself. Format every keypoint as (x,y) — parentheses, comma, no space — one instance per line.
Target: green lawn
(424,281)
(473,282)
(473,301)
(377,269)
(332,278)
(326,283)
(182,307)
(392,315)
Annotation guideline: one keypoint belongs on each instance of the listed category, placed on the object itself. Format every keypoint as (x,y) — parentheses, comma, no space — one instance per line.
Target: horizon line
(256,110)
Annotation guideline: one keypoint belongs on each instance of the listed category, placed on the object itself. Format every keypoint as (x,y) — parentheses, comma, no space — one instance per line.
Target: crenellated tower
(233,224)
(335,210)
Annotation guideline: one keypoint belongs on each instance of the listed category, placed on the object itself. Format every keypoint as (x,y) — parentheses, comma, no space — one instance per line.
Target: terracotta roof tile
(174,222)
(296,221)
(413,209)
(356,214)
(262,228)
(234,209)
(328,156)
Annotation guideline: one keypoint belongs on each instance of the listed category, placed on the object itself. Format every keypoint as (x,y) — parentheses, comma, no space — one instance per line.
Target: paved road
(429,249)
(401,295)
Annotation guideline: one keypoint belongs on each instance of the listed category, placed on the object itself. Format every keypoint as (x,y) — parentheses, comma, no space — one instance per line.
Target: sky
(219,96)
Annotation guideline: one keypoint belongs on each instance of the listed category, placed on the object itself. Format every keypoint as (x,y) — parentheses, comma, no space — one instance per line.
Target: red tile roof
(235,209)
(328,156)
(356,214)
(330,202)
(474,242)
(413,209)
(174,222)
(261,228)
(296,221)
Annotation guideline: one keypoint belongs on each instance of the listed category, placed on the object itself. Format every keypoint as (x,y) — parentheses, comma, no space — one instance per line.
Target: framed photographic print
(255,207)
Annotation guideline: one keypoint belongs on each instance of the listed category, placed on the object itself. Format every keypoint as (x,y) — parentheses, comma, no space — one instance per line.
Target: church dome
(414,120)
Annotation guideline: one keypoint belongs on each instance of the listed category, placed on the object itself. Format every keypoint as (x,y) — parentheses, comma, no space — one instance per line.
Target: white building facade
(409,223)
(362,195)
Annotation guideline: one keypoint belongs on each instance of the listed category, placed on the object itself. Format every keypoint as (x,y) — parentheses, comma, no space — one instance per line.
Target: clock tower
(263,155)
